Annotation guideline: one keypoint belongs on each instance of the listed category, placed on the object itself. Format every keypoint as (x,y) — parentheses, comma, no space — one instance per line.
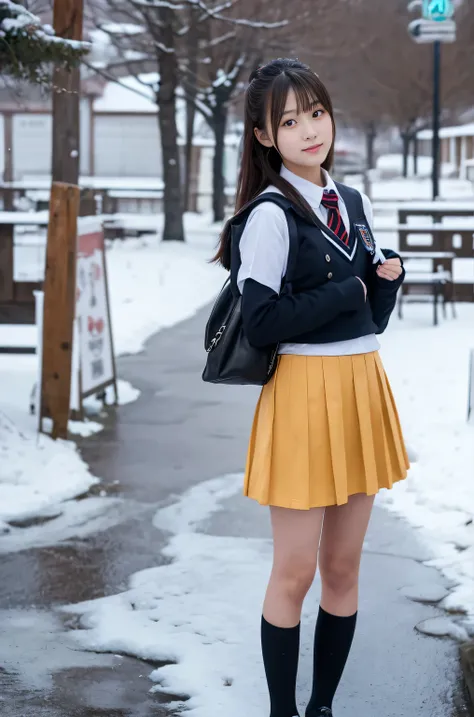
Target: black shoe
(322,712)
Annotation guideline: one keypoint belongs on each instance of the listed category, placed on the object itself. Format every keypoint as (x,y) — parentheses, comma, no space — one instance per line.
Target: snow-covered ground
(152,285)
(207,635)
(428,368)
(169,613)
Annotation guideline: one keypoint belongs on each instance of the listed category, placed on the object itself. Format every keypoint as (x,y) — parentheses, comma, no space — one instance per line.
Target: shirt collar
(311,192)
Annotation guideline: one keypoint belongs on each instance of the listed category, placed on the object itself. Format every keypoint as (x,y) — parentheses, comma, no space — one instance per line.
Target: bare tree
(385,78)
(180,38)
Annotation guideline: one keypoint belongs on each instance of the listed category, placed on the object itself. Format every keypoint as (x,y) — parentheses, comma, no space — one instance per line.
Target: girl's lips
(315,148)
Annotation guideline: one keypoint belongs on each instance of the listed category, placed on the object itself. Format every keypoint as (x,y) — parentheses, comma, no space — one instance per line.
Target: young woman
(326,434)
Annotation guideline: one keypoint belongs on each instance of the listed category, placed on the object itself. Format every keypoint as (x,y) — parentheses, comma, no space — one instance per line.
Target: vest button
(330,275)
(328,258)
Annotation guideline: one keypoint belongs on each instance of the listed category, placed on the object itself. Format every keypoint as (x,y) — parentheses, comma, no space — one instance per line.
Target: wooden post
(68,20)
(59,306)
(60,275)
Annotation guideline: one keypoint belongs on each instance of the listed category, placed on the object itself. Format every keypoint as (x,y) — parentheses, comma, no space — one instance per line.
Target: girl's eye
(316,114)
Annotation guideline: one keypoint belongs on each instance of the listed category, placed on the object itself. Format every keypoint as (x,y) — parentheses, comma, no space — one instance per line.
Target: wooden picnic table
(444,257)
(90,188)
(436,281)
(452,237)
(427,255)
(438,284)
(436,210)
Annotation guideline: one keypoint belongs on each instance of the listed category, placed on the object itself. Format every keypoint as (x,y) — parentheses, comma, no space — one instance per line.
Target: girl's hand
(390,269)
(365,288)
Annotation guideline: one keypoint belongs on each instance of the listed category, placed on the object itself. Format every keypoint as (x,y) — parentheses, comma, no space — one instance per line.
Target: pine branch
(28,48)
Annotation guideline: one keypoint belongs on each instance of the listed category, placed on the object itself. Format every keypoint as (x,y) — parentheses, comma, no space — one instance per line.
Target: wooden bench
(121,226)
(133,200)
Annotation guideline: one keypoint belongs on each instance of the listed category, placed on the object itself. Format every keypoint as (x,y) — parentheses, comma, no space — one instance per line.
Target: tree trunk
(370,136)
(218,181)
(191,92)
(166,100)
(68,20)
(406,149)
(415,155)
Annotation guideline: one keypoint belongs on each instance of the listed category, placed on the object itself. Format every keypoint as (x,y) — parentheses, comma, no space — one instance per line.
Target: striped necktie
(330,200)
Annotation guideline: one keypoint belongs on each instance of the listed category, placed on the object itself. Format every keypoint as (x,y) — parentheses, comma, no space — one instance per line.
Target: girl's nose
(308,130)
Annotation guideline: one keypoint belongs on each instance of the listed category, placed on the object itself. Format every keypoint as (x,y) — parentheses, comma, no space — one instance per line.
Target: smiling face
(304,134)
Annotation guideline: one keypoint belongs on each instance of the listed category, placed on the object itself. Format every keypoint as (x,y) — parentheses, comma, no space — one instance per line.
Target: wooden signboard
(77,347)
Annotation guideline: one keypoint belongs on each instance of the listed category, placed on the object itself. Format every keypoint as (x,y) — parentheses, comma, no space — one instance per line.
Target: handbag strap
(239,221)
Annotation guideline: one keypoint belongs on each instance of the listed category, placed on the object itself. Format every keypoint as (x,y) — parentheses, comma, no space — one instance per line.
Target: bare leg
(340,552)
(296,535)
(339,559)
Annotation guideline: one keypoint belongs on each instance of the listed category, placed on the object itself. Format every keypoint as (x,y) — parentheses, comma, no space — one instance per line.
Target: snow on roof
(125,97)
(463,130)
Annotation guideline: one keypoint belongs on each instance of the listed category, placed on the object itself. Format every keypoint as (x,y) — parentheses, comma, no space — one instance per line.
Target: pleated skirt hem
(325,428)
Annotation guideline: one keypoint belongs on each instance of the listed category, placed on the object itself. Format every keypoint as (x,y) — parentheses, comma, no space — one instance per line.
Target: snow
(149,289)
(463,130)
(171,614)
(30,25)
(138,94)
(207,637)
(131,95)
(122,28)
(428,368)
(36,473)
(30,468)
(394,163)
(41,182)
(397,189)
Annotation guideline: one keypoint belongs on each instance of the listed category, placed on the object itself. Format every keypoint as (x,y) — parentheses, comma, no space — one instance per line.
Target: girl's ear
(263,137)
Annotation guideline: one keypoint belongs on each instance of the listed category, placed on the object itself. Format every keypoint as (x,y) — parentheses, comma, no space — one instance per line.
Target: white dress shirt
(264,247)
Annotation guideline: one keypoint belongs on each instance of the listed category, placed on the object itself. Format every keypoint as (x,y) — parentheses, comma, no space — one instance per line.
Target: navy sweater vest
(321,300)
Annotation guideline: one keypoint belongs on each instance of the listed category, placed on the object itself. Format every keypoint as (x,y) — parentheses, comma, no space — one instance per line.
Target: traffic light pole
(436,114)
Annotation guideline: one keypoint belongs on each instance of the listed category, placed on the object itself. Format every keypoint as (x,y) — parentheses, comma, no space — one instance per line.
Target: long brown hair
(260,166)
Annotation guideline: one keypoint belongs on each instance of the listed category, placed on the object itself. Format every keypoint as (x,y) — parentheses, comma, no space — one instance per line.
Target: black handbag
(230,357)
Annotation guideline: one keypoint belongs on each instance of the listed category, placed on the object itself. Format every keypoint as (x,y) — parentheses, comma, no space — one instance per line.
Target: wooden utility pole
(68,22)
(59,305)
(60,276)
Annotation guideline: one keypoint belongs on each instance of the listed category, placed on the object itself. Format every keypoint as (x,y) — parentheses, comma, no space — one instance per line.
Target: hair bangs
(308,89)
(307,92)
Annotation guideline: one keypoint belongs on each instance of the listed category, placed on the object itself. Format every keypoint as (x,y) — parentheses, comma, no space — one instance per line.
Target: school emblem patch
(365,235)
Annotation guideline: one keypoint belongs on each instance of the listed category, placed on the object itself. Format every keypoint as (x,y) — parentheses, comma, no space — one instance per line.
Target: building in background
(119,136)
(457,146)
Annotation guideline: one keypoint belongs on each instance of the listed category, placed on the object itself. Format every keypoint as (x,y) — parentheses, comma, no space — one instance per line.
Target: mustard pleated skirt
(325,428)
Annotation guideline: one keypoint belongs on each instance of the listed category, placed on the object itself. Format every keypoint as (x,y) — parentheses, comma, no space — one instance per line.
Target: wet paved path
(181,432)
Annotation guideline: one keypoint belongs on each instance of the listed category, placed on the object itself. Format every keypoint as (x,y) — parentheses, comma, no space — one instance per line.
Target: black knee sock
(280,650)
(332,643)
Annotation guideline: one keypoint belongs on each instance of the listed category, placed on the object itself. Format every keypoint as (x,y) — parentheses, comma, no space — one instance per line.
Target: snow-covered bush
(28,48)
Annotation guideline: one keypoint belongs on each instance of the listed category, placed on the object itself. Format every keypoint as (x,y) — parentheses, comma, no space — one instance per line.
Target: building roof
(131,95)
(462,130)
